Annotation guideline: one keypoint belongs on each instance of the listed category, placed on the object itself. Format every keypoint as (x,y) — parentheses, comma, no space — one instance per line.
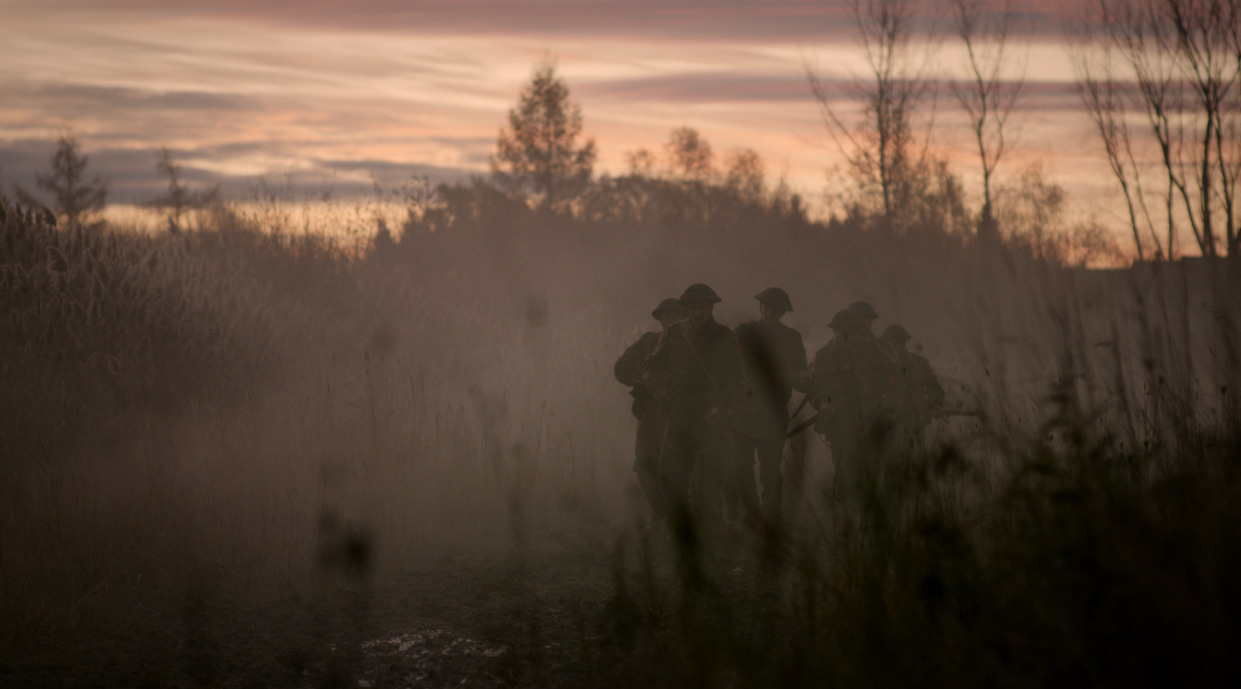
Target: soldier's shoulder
(876,347)
(920,362)
(832,347)
(788,331)
(880,343)
(715,329)
(650,339)
(746,329)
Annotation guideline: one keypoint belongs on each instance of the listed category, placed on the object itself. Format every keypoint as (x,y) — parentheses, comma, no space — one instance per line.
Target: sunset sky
(333,93)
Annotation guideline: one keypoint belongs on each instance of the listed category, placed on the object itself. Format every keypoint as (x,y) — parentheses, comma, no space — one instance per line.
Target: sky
(331,95)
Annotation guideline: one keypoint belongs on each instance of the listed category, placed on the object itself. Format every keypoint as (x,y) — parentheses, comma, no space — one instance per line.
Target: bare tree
(1184,57)
(1104,99)
(987,97)
(882,152)
(1230,131)
(1202,35)
(1147,47)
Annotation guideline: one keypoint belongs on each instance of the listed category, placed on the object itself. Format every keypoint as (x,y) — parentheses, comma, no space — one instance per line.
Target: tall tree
(73,198)
(987,96)
(1184,56)
(883,151)
(1103,95)
(539,152)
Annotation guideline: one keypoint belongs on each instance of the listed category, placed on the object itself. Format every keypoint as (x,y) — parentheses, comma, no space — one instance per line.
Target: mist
(208,427)
(288,439)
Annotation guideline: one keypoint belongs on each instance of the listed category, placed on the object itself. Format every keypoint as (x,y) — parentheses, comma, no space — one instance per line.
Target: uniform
(702,369)
(628,371)
(854,390)
(772,354)
(919,391)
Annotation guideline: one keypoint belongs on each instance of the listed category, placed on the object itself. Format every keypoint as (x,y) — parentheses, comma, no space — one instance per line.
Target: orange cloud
(337,92)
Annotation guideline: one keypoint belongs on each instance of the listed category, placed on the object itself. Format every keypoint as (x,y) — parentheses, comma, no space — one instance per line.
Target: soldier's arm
(880,361)
(925,376)
(659,367)
(935,393)
(733,378)
(824,373)
(628,368)
(800,373)
(744,334)
(799,354)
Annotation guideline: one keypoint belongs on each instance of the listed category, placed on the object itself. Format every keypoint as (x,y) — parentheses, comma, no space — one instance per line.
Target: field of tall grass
(217,404)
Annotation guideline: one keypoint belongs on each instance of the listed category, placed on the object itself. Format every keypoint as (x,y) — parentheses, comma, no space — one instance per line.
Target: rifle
(817,375)
(827,372)
(958,412)
(804,424)
(941,413)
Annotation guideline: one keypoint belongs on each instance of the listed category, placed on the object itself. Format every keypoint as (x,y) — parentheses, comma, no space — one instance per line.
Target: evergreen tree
(74,198)
(538,153)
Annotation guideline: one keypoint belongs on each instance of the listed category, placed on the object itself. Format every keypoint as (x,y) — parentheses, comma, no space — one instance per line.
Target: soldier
(853,377)
(697,370)
(628,371)
(919,393)
(864,311)
(775,361)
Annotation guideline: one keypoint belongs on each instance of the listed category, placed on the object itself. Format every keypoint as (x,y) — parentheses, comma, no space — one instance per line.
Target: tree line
(1158,78)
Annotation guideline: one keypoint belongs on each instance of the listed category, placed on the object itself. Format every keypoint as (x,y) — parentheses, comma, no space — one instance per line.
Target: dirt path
(508,619)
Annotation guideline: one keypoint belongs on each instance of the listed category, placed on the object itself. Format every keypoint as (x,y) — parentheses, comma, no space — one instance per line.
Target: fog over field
(292,439)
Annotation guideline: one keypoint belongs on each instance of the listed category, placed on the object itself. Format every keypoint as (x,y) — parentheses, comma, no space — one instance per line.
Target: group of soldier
(711,400)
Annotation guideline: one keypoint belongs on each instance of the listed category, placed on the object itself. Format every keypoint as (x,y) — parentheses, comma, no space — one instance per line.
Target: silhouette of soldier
(775,362)
(918,392)
(696,369)
(865,312)
(651,416)
(852,389)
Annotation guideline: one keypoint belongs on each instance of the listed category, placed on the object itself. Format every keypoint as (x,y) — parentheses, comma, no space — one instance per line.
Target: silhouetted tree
(1104,98)
(1184,57)
(539,153)
(745,174)
(179,198)
(641,163)
(73,198)
(883,153)
(986,96)
(689,155)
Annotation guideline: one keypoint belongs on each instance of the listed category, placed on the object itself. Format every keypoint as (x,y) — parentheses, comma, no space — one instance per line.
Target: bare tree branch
(987,98)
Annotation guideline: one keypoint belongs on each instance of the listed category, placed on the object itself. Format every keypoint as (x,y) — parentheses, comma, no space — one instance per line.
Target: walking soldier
(775,362)
(651,417)
(919,394)
(853,382)
(697,370)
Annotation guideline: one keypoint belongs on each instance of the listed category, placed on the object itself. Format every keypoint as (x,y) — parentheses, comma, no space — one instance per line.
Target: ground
(520,617)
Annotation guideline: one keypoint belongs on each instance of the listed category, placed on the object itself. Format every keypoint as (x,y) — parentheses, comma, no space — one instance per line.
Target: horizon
(337,99)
